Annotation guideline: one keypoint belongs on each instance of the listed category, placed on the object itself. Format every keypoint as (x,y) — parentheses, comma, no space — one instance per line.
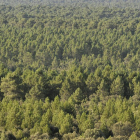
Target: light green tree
(117,87)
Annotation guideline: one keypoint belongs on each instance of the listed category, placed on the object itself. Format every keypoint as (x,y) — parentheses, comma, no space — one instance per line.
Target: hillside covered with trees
(69,70)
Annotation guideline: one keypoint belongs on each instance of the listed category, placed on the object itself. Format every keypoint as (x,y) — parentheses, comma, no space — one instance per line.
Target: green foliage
(77,96)
(104,129)
(69,70)
(14,116)
(117,87)
(11,86)
(103,89)
(133,136)
(85,122)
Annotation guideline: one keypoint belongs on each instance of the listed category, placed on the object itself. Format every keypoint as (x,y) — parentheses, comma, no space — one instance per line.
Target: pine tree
(77,96)
(103,89)
(133,136)
(45,121)
(11,86)
(66,124)
(137,88)
(15,116)
(117,87)
(85,122)
(65,91)
(91,83)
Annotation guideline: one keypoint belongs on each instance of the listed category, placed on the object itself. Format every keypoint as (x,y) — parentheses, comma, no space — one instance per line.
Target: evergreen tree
(65,91)
(77,96)
(11,86)
(137,88)
(103,89)
(117,87)
(85,122)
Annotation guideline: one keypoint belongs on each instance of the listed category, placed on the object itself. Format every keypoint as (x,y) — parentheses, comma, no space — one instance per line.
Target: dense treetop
(69,70)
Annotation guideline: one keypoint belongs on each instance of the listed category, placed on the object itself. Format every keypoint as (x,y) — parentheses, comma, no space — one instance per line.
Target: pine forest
(69,69)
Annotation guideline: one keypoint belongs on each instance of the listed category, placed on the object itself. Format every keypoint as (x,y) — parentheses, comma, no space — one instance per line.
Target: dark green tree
(11,86)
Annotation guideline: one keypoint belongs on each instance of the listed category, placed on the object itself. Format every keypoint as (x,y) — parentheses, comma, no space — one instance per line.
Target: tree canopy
(69,70)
